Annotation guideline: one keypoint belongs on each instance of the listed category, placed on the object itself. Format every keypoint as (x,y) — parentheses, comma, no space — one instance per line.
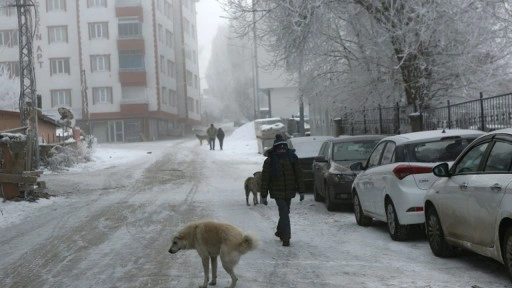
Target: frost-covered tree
(9,90)
(417,51)
(229,74)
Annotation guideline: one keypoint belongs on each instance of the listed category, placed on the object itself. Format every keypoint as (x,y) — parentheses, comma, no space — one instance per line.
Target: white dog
(211,239)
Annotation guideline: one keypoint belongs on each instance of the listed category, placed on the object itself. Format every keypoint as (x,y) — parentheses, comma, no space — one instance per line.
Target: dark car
(306,149)
(331,168)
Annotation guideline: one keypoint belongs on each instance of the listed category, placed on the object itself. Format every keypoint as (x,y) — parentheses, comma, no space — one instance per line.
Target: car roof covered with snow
(433,135)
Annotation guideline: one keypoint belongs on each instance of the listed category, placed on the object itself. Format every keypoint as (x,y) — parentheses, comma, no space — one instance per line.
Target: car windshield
(436,151)
(356,150)
(307,148)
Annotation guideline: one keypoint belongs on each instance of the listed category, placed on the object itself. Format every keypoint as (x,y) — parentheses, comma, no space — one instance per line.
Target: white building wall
(44,52)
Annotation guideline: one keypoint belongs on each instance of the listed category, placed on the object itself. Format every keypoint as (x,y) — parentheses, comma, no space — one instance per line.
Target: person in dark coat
(220,136)
(282,179)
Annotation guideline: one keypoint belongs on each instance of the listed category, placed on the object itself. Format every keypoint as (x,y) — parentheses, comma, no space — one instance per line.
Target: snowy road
(112,227)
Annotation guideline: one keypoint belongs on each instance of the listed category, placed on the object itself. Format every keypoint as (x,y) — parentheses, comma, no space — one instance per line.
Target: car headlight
(345,178)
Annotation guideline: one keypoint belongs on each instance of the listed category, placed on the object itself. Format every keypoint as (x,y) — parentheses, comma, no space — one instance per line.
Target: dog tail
(249,243)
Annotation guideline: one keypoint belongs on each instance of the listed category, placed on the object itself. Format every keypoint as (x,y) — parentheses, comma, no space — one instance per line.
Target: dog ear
(179,236)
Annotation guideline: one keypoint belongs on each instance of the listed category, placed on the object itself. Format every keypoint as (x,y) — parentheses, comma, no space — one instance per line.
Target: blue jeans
(283,225)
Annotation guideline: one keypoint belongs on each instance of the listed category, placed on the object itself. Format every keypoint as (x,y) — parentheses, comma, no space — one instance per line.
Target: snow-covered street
(111,223)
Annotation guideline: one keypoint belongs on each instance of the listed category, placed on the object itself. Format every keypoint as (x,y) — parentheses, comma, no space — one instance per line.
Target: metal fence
(484,114)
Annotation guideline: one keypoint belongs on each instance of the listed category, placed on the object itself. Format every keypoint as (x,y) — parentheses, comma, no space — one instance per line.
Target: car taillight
(404,170)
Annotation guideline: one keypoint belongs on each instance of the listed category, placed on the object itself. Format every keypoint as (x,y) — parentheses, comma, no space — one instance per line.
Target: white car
(470,206)
(398,173)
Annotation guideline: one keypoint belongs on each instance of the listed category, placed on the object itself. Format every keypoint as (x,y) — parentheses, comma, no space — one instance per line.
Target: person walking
(220,136)
(282,179)
(212,133)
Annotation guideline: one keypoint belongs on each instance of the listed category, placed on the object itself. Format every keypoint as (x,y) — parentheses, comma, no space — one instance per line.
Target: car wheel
(318,197)
(396,231)
(507,251)
(328,202)
(361,219)
(435,235)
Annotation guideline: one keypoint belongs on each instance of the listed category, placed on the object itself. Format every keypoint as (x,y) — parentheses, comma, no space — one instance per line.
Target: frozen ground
(112,219)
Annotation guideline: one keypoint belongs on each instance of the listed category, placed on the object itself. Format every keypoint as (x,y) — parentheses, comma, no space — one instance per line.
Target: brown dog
(252,185)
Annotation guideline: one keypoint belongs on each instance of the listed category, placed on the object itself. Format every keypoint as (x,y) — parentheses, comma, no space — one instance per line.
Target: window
(102,95)
(172,97)
(129,28)
(159,5)
(190,104)
(500,158)
(167,9)
(193,31)
(388,155)
(196,82)
(194,57)
(61,98)
(160,33)
(172,72)
(96,3)
(164,96)
(58,34)
(98,30)
(186,26)
(12,67)
(189,78)
(169,39)
(132,61)
(100,63)
(55,5)
(59,66)
(8,11)
(471,160)
(9,38)
(162,64)
(375,157)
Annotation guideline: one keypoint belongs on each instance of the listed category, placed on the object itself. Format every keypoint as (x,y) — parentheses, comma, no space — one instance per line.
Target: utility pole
(256,76)
(27,101)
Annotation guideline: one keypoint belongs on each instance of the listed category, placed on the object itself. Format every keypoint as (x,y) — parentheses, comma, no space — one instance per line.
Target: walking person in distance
(282,179)
(212,133)
(220,136)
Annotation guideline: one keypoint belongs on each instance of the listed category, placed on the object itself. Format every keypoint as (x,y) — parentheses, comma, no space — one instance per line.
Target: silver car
(470,206)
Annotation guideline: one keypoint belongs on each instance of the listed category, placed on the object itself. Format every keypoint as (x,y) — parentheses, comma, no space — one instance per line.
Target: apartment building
(127,69)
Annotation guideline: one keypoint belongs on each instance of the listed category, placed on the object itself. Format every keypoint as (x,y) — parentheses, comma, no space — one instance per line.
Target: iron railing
(484,114)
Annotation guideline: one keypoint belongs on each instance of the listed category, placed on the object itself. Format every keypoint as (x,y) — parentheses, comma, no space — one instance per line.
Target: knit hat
(280,141)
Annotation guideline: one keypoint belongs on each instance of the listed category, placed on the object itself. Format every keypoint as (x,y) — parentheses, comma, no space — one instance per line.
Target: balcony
(129,8)
(131,44)
(129,77)
(131,109)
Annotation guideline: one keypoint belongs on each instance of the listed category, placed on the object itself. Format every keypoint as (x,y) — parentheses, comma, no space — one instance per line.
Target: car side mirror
(320,159)
(358,166)
(441,170)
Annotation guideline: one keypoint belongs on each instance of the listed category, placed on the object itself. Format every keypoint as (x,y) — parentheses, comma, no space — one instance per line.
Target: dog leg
(214,271)
(205,270)
(228,263)
(247,197)
(255,198)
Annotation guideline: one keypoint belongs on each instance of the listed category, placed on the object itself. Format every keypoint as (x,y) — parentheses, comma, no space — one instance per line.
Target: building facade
(127,69)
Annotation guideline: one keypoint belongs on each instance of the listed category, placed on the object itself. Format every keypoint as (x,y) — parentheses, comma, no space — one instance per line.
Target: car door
(366,180)
(319,168)
(382,177)
(452,193)
(486,190)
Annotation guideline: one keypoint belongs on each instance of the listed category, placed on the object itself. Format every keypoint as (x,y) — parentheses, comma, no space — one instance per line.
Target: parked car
(470,206)
(397,175)
(332,175)
(306,149)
